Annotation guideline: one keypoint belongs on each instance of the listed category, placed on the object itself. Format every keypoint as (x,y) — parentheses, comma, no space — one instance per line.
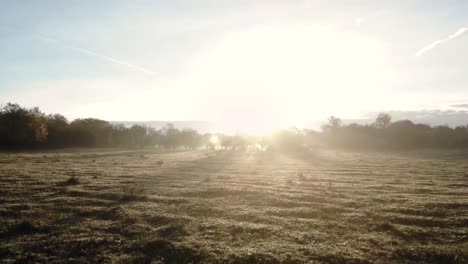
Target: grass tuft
(301,176)
(73,180)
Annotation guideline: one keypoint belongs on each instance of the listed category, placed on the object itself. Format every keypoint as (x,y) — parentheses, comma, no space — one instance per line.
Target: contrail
(98,55)
(436,43)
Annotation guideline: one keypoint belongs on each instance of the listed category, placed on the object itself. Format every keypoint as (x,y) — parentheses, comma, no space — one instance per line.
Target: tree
(189,138)
(91,132)
(138,135)
(57,131)
(383,120)
(21,127)
(171,136)
(333,124)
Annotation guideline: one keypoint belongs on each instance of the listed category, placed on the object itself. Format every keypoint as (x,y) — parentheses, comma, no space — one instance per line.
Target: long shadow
(83,206)
(212,162)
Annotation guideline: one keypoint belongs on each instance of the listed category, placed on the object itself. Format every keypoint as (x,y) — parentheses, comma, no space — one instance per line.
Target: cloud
(436,43)
(98,55)
(431,117)
(460,106)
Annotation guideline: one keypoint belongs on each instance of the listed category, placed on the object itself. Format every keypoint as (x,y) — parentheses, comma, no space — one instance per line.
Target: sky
(243,65)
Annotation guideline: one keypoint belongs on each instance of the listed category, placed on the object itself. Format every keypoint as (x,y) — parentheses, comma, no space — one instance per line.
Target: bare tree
(333,124)
(383,120)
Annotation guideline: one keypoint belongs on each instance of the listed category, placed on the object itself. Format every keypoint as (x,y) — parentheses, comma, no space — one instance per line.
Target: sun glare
(266,78)
(293,74)
(214,140)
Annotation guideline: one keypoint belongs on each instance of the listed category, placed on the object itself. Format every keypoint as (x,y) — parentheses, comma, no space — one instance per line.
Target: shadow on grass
(26,227)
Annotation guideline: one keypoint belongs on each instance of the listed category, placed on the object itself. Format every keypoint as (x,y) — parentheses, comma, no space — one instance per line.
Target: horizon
(434,118)
(253,67)
(216,131)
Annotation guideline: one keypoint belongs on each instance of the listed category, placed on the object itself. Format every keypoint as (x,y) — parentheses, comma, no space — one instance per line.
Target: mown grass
(233,207)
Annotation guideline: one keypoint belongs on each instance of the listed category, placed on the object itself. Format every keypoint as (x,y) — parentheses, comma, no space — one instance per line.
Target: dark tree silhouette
(383,120)
(22,128)
(333,124)
(57,131)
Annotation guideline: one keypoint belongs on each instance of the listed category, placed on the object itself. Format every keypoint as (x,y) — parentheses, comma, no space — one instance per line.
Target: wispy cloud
(98,55)
(438,42)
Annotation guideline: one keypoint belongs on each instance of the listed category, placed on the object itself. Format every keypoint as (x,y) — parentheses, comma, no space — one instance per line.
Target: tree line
(23,128)
(385,134)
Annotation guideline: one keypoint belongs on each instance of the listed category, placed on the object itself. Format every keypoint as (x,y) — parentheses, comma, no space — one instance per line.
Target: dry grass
(233,207)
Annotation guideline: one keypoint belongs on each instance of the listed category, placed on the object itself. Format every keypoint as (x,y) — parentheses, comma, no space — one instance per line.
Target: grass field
(106,206)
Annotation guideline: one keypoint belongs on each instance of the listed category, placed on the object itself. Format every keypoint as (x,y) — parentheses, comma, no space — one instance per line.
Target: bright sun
(214,140)
(271,77)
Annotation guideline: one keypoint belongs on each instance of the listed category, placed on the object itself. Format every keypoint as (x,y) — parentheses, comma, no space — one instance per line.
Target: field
(105,206)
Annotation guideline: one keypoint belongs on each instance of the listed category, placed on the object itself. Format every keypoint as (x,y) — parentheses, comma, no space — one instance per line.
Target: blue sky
(240,63)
